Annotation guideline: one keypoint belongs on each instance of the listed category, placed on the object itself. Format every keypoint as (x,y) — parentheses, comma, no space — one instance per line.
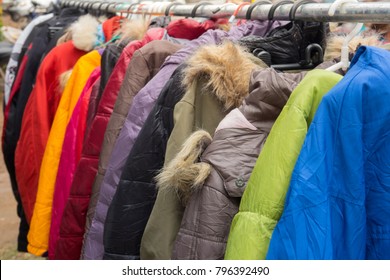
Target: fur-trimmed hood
(133,29)
(185,172)
(335,42)
(227,68)
(85,32)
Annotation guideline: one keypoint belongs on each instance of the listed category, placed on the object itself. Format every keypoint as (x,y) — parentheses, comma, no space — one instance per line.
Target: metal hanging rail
(374,12)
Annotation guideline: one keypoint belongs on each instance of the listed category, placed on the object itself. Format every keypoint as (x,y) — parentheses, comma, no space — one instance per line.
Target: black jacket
(287,44)
(40,45)
(136,192)
(109,59)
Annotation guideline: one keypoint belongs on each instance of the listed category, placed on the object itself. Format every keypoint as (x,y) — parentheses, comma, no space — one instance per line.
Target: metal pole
(374,12)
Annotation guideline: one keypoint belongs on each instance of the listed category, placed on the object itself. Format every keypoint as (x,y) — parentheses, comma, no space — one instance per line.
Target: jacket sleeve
(34,133)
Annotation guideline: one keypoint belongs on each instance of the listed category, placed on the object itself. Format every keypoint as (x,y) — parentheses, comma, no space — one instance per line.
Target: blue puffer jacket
(338,203)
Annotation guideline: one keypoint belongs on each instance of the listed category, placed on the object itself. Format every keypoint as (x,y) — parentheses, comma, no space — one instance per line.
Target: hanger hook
(336,4)
(109,5)
(129,12)
(157,7)
(221,7)
(344,62)
(81,4)
(312,49)
(162,7)
(154,8)
(195,8)
(90,6)
(295,7)
(238,9)
(253,6)
(170,6)
(275,6)
(84,5)
(139,8)
(150,7)
(98,9)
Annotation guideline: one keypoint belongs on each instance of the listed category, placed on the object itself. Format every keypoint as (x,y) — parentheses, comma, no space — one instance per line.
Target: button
(240,182)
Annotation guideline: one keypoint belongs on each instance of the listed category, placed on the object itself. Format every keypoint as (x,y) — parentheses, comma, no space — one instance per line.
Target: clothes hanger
(168,8)
(129,10)
(248,15)
(233,17)
(273,8)
(98,9)
(155,8)
(223,6)
(344,62)
(254,5)
(313,53)
(195,8)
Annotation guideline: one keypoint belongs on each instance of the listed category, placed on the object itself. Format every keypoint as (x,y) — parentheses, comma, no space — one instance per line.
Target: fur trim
(133,29)
(228,68)
(84,32)
(334,44)
(63,79)
(185,173)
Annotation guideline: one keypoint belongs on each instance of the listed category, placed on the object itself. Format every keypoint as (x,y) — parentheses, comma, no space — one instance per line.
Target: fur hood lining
(133,29)
(185,172)
(84,32)
(335,42)
(227,68)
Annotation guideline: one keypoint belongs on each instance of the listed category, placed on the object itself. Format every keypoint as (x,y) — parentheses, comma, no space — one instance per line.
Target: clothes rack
(374,12)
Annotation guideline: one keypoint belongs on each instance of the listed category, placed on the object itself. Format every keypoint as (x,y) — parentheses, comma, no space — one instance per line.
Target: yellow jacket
(38,236)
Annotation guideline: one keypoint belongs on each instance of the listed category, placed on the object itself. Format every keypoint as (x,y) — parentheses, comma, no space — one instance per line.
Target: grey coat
(231,156)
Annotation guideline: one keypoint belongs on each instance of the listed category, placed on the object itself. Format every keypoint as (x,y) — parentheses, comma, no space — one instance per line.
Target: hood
(227,67)
(269,92)
(335,42)
(85,32)
(242,133)
(185,173)
(133,29)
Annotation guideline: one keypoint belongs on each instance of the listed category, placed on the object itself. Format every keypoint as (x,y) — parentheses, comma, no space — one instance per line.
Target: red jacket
(37,119)
(73,220)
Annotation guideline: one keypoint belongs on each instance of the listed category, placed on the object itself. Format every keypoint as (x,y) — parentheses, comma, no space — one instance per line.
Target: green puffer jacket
(263,201)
